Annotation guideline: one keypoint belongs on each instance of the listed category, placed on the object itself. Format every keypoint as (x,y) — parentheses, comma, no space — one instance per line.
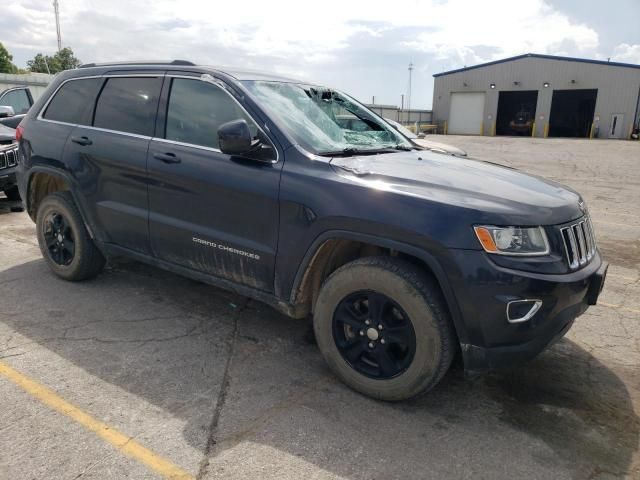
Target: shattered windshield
(324,121)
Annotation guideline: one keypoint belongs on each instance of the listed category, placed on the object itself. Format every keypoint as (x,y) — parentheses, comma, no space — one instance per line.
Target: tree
(62,60)
(66,59)
(6,64)
(40,63)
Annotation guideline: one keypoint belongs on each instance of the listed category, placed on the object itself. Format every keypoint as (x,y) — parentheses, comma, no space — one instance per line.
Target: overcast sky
(363,47)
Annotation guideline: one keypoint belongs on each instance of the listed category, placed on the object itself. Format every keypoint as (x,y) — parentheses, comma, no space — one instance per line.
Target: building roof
(538,55)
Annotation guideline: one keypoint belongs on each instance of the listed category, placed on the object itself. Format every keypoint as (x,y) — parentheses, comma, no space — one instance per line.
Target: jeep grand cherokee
(248,181)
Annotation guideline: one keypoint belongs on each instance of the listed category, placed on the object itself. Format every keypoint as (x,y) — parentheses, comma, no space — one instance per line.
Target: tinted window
(17,99)
(73,100)
(128,105)
(196,110)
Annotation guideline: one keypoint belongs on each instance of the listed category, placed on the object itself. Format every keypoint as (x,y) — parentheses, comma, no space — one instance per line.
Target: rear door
(209,211)
(109,158)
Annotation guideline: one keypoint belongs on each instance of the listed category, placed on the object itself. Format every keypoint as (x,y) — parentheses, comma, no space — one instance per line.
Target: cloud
(362,47)
(626,53)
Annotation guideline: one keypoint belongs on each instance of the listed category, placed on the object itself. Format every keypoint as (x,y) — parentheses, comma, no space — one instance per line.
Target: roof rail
(143,62)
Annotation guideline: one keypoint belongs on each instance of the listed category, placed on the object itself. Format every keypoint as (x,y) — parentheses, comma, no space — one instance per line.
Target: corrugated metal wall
(617,87)
(402,116)
(37,82)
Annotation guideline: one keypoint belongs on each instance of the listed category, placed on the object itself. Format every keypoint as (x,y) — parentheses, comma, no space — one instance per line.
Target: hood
(443,147)
(6,134)
(494,194)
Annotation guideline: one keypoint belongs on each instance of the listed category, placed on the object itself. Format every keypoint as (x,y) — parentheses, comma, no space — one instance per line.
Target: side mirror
(234,138)
(6,111)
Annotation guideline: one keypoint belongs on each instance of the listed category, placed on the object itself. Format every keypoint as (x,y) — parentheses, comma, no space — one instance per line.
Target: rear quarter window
(73,101)
(129,105)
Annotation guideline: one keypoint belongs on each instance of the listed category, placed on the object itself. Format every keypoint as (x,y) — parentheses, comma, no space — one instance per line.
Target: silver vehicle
(428,144)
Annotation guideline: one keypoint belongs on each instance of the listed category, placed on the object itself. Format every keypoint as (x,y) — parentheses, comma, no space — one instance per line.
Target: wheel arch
(321,259)
(43,181)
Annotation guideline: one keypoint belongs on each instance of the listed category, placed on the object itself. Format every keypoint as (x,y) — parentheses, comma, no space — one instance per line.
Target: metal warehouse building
(539,95)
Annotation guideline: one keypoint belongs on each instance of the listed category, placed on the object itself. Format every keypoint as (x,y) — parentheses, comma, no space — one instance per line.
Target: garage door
(466,113)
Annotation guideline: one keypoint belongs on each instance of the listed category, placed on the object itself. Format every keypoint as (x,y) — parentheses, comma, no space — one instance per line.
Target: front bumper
(483,290)
(7,179)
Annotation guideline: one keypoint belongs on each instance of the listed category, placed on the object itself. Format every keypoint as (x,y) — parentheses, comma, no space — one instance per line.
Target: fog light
(519,311)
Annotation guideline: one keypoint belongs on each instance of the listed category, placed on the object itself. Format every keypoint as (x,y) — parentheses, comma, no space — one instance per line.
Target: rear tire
(13,194)
(64,240)
(409,342)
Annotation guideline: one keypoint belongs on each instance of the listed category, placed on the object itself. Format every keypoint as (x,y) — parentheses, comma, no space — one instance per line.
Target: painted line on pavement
(122,442)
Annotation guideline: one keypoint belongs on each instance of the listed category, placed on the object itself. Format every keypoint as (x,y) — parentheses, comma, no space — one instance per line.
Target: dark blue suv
(254,183)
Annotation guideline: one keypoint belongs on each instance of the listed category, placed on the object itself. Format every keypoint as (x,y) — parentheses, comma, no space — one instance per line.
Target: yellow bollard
(546,130)
(591,131)
(533,129)
(493,129)
(481,128)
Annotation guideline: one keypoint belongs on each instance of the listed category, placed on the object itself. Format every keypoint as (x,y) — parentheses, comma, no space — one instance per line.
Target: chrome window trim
(185,144)
(207,78)
(534,309)
(119,132)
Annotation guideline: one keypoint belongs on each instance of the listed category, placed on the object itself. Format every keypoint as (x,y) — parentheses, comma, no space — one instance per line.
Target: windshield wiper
(405,148)
(350,151)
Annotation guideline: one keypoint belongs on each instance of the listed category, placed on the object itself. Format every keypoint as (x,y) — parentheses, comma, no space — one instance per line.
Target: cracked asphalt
(225,387)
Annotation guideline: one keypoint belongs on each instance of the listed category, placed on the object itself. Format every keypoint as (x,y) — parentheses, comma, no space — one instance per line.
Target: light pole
(409,94)
(55,9)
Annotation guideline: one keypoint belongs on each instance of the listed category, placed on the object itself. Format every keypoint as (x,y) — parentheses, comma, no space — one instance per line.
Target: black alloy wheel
(374,335)
(59,238)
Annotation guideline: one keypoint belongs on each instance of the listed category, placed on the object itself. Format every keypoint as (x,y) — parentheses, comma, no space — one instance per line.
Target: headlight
(513,240)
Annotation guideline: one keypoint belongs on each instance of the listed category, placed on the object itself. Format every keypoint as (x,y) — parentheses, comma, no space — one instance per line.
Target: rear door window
(18,99)
(129,105)
(73,101)
(197,109)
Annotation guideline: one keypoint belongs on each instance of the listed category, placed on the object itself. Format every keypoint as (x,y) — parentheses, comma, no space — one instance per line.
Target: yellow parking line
(122,442)
(619,307)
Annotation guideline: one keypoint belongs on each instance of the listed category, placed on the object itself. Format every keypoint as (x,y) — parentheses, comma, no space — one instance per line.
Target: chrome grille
(9,157)
(579,242)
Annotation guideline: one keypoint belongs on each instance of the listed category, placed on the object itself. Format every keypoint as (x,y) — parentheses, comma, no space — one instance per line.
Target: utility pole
(409,94)
(401,107)
(57,12)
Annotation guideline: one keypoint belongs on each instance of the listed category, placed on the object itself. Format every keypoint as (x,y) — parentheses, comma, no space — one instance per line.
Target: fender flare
(430,260)
(70,182)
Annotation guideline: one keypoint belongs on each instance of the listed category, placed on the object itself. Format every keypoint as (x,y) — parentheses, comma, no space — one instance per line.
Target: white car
(428,144)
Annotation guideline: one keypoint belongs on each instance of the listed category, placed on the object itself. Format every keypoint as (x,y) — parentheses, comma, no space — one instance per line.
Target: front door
(615,129)
(208,211)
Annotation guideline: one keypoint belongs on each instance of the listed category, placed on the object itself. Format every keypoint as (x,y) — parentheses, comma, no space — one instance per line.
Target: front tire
(383,328)
(64,240)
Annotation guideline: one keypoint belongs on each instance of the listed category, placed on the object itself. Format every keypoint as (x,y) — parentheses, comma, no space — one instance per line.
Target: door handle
(167,157)
(84,141)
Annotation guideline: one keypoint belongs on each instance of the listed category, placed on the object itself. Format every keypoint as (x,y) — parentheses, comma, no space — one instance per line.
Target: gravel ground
(224,387)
